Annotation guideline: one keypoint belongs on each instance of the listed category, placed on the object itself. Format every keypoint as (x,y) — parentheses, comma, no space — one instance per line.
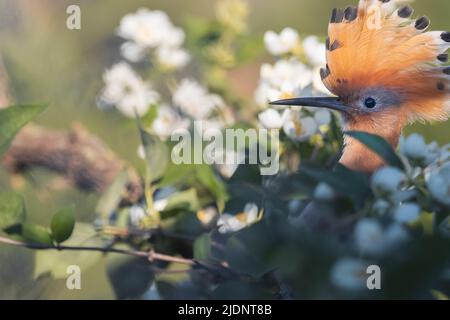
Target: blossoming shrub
(310,231)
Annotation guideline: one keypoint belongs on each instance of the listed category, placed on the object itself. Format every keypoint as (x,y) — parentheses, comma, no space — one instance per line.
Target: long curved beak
(318,102)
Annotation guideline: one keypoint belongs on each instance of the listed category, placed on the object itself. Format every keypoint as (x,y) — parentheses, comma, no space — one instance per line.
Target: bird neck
(357,156)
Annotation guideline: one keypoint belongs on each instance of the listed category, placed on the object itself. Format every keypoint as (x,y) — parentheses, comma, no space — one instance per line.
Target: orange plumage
(379,45)
(386,70)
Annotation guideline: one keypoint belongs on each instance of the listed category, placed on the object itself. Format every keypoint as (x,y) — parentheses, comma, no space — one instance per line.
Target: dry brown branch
(82,158)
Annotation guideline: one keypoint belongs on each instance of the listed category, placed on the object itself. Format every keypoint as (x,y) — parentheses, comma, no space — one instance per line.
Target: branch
(150,255)
(84,160)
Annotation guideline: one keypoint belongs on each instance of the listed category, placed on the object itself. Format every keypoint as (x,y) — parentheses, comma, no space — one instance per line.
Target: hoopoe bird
(386,70)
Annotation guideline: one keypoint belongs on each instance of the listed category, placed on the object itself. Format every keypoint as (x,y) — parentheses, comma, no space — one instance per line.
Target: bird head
(385,70)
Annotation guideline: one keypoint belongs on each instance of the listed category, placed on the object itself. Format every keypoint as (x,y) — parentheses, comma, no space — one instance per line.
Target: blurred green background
(47,62)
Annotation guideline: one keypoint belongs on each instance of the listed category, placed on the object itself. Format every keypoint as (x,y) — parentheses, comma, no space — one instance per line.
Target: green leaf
(156,155)
(130,277)
(36,234)
(207,178)
(186,200)
(416,268)
(346,182)
(378,145)
(176,174)
(150,116)
(240,256)
(12,209)
(201,33)
(438,295)
(12,119)
(173,274)
(248,173)
(110,199)
(249,48)
(62,225)
(202,247)
(56,262)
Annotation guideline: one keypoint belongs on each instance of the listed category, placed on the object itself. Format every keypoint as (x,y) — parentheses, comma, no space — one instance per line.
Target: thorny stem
(151,255)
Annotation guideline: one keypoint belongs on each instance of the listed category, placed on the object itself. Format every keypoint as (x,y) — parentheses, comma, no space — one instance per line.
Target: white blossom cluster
(289,77)
(396,193)
(148,30)
(395,188)
(127,91)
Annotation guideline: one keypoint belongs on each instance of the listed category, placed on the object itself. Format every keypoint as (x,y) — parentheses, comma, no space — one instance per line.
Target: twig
(150,255)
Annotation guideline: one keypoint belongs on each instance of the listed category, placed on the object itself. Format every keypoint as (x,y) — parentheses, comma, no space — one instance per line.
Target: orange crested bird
(386,71)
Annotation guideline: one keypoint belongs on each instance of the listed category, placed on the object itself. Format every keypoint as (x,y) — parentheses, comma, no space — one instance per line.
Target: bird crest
(379,56)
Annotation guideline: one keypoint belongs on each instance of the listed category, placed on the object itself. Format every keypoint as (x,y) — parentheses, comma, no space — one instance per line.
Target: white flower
(370,238)
(317,82)
(287,72)
(349,274)
(161,198)
(271,119)
(207,215)
(265,93)
(315,51)
(324,192)
(136,214)
(148,29)
(175,38)
(161,204)
(299,128)
(284,79)
(407,212)
(395,235)
(297,124)
(232,223)
(283,43)
(212,124)
(415,148)
(127,91)
(403,195)
(194,100)
(381,207)
(132,52)
(322,117)
(167,121)
(438,183)
(227,161)
(172,58)
(387,180)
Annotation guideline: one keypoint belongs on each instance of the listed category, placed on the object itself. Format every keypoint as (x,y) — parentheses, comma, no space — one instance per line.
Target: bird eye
(370,103)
